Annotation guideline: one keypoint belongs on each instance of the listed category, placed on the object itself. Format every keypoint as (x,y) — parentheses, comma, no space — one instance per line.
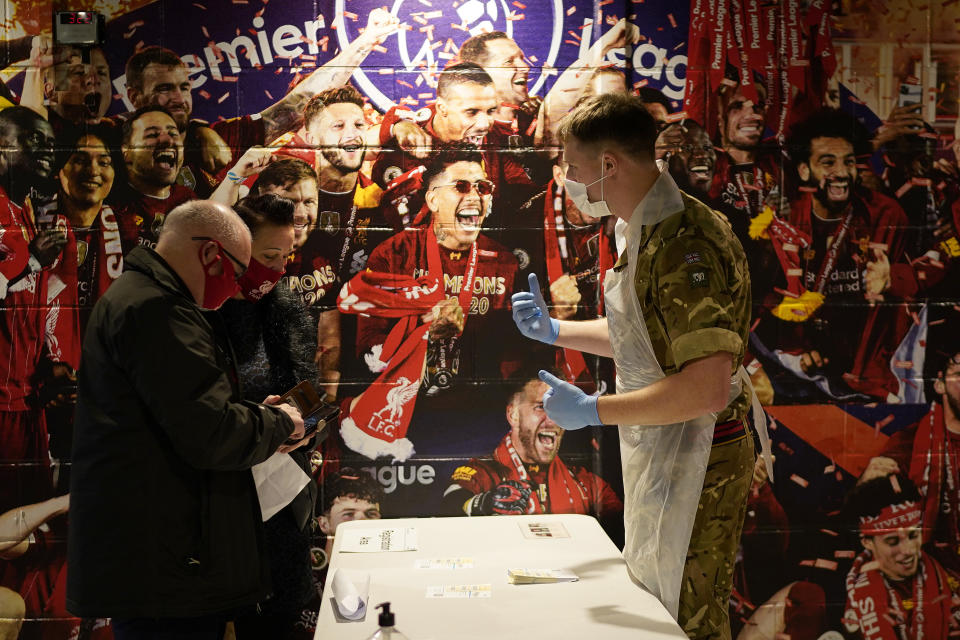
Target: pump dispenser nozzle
(386,616)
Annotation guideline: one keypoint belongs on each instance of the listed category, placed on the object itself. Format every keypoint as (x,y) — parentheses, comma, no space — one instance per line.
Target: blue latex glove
(568,405)
(531,315)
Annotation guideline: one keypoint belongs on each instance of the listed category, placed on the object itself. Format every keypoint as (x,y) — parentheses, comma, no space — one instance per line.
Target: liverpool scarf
(376,425)
(565,494)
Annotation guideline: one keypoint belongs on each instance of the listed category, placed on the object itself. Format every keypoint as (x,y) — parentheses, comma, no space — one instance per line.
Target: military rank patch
(698,279)
(692,258)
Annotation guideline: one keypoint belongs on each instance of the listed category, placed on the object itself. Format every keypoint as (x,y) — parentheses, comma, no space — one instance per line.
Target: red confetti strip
(842,553)
(229,79)
(199,6)
(830,533)
(405,83)
(268,94)
(800,481)
(204,94)
(575,36)
(673,21)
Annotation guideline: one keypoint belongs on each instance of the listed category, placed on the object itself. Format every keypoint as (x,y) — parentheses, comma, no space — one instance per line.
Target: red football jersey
(483,474)
(32,326)
(480,349)
(140,217)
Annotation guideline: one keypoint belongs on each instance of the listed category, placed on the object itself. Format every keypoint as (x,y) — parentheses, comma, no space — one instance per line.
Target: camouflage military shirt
(693,285)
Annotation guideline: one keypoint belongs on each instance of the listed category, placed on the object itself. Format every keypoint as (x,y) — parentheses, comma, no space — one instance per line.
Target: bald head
(185,243)
(204,218)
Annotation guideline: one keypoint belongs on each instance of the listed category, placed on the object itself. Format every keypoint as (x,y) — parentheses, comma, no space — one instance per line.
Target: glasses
(241,268)
(463,187)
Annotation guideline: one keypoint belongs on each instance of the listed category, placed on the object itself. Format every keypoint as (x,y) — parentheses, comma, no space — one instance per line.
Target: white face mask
(577,192)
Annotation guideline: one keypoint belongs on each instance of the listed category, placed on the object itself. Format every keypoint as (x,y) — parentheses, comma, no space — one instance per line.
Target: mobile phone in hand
(909,94)
(315,412)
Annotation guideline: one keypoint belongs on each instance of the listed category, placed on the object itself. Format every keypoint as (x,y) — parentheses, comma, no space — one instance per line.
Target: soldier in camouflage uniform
(677,323)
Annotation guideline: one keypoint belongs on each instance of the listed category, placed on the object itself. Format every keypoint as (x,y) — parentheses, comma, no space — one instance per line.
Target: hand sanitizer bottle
(387,631)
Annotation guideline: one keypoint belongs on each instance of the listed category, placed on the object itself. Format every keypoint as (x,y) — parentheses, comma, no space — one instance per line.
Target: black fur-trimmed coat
(290,342)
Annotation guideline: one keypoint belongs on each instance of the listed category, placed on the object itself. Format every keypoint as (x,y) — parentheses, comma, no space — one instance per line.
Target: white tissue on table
(350,593)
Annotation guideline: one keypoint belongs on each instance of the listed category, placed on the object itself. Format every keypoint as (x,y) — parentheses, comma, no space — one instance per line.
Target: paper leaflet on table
(376,540)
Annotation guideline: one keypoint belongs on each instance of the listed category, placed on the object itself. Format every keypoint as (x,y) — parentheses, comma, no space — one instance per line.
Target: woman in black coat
(274,342)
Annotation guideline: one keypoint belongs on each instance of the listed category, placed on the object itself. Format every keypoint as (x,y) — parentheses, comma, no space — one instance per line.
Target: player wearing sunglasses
(477,276)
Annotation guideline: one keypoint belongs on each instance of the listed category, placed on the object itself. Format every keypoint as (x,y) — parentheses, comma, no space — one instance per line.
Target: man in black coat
(165,527)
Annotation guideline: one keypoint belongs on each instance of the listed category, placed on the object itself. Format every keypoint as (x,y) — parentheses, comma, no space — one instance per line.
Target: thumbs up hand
(531,315)
(568,405)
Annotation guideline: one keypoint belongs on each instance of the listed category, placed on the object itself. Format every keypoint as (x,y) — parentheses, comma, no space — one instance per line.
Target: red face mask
(258,280)
(217,289)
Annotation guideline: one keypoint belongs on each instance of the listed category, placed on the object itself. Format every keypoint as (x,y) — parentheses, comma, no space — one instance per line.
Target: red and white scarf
(557,251)
(378,422)
(933,465)
(878,610)
(104,259)
(565,494)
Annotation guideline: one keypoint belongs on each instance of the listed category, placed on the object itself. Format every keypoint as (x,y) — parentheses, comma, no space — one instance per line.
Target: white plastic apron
(663,466)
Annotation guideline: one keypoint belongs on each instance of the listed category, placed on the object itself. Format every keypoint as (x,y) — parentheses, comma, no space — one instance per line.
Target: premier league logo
(403,70)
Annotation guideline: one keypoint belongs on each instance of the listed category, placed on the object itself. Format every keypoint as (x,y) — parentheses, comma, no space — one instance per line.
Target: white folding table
(603,604)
